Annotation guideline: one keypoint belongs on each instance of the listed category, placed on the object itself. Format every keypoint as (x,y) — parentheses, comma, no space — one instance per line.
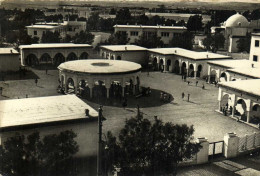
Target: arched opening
(223,77)
(70,85)
(115,89)
(84,90)
(112,57)
(183,68)
(58,59)
(255,114)
(240,109)
(225,101)
(31,60)
(176,67)
(83,55)
(45,58)
(213,75)
(161,65)
(191,70)
(72,56)
(199,71)
(118,58)
(155,64)
(168,65)
(99,89)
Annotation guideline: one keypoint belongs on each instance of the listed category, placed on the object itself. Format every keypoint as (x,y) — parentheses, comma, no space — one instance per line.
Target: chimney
(252,65)
(11,51)
(207,56)
(125,48)
(175,51)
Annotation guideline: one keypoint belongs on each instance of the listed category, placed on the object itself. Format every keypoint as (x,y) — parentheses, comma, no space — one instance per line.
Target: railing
(249,142)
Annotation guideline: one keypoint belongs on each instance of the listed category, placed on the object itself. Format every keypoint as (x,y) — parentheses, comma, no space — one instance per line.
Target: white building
(51,115)
(131,53)
(67,27)
(255,48)
(9,60)
(167,33)
(182,61)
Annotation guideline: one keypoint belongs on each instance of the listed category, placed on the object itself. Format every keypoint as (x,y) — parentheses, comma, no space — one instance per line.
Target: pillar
(188,72)
(233,105)
(65,83)
(123,91)
(108,89)
(164,67)
(76,83)
(220,92)
(248,116)
(90,92)
(248,110)
(180,67)
(195,74)
(231,142)
(203,154)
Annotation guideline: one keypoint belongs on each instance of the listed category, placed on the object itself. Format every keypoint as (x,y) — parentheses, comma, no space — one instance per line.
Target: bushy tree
(117,38)
(184,40)
(243,44)
(123,16)
(152,41)
(83,37)
(31,155)
(195,23)
(93,21)
(150,148)
(51,37)
(214,42)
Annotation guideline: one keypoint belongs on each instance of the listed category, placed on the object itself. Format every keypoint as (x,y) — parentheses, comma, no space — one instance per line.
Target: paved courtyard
(199,111)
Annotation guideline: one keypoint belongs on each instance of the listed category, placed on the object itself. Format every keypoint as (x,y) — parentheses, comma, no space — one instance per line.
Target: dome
(237,20)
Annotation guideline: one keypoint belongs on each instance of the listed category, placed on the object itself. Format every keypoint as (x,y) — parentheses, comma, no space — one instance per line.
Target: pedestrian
(26,96)
(46,71)
(188,82)
(182,95)
(36,81)
(188,97)
(203,87)
(124,104)
(197,83)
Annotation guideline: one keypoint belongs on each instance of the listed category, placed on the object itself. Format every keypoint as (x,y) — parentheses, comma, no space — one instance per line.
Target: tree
(93,21)
(117,38)
(51,37)
(184,40)
(214,42)
(123,16)
(25,39)
(152,41)
(243,44)
(146,148)
(195,23)
(51,155)
(83,37)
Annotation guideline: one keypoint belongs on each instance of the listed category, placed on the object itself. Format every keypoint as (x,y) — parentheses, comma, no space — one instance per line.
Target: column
(203,154)
(248,110)
(233,105)
(108,89)
(195,74)
(76,83)
(209,71)
(219,98)
(90,85)
(231,142)
(123,91)
(180,68)
(188,72)
(65,83)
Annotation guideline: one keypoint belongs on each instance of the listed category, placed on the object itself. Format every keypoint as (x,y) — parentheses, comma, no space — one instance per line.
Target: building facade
(131,53)
(54,53)
(9,60)
(255,48)
(166,33)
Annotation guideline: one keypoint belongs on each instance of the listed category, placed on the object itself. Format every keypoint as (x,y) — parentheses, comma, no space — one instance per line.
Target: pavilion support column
(91,92)
(248,110)
(220,92)
(195,74)
(248,116)
(180,64)
(108,90)
(123,91)
(76,83)
(187,72)
(65,83)
(164,68)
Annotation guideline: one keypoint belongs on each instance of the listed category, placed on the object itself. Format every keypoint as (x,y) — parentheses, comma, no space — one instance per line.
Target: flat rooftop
(8,51)
(39,110)
(250,86)
(44,26)
(54,45)
(123,48)
(188,53)
(235,63)
(251,72)
(150,27)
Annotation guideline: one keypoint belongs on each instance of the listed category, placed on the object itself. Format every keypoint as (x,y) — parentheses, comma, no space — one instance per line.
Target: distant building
(53,53)
(67,27)
(255,48)
(167,33)
(182,61)
(51,115)
(9,60)
(131,53)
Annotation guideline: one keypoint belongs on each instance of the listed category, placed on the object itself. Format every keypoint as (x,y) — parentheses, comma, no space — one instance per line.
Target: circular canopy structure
(100,66)
(237,20)
(99,74)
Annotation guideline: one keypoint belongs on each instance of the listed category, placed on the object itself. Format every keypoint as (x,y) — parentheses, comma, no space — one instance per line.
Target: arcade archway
(240,109)
(176,67)
(83,55)
(191,70)
(72,56)
(223,77)
(31,60)
(168,65)
(46,58)
(58,59)
(199,71)
(183,68)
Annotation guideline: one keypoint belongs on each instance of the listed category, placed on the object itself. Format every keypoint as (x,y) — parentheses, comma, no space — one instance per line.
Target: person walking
(188,82)
(197,83)
(203,87)
(36,81)
(188,97)
(182,95)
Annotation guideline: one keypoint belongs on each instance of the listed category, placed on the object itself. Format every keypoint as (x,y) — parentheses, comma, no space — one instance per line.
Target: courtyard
(199,111)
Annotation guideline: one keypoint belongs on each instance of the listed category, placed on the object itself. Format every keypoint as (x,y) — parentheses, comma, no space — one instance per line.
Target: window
(165,34)
(255,58)
(122,32)
(134,33)
(34,32)
(256,43)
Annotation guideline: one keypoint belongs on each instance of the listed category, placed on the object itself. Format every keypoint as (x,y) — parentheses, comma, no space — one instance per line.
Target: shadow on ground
(143,101)
(45,67)
(18,76)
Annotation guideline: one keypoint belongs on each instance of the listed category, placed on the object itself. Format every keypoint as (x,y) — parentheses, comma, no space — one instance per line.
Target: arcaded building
(9,60)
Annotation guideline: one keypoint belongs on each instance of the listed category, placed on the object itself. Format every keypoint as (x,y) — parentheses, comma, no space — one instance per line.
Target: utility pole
(99,154)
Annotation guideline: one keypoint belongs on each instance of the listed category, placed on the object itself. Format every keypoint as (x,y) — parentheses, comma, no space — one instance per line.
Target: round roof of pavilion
(100,66)
(237,20)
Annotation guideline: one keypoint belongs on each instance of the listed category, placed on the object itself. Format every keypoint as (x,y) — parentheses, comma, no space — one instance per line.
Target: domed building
(236,27)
